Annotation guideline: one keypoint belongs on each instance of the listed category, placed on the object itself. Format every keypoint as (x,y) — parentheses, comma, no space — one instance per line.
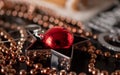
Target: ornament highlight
(58,38)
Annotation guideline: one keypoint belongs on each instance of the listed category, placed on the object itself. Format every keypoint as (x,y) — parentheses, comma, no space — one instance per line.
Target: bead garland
(47,20)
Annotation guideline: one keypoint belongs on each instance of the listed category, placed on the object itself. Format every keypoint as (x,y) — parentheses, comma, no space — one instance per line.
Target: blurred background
(81,10)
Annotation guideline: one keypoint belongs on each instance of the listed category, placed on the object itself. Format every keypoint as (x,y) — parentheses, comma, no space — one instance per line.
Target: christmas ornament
(58,38)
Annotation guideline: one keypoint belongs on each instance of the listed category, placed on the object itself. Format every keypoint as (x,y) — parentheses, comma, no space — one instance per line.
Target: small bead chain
(95,71)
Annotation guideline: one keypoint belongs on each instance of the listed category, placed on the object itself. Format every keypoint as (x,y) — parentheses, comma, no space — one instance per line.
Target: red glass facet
(58,38)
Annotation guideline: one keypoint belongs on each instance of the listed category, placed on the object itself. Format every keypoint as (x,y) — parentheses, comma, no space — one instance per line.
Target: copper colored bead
(80,31)
(25,15)
(69,28)
(107,54)
(20,14)
(62,18)
(68,20)
(74,30)
(56,21)
(98,52)
(117,55)
(23,8)
(22,58)
(7,57)
(4,70)
(12,62)
(82,73)
(93,56)
(13,71)
(72,73)
(51,26)
(35,19)
(79,24)
(91,69)
(63,72)
(91,65)
(53,71)
(2,12)
(31,9)
(14,13)
(2,62)
(45,18)
(9,66)
(43,71)
(90,51)
(90,33)
(92,60)
(7,51)
(117,72)
(46,71)
(29,63)
(23,72)
(96,72)
(1,56)
(113,73)
(73,22)
(89,43)
(92,47)
(17,7)
(14,55)
(51,19)
(83,48)
(1,4)
(104,73)
(45,24)
(40,22)
(61,24)
(8,12)
(87,33)
(30,17)
(95,36)
(39,16)
(33,72)
(38,66)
